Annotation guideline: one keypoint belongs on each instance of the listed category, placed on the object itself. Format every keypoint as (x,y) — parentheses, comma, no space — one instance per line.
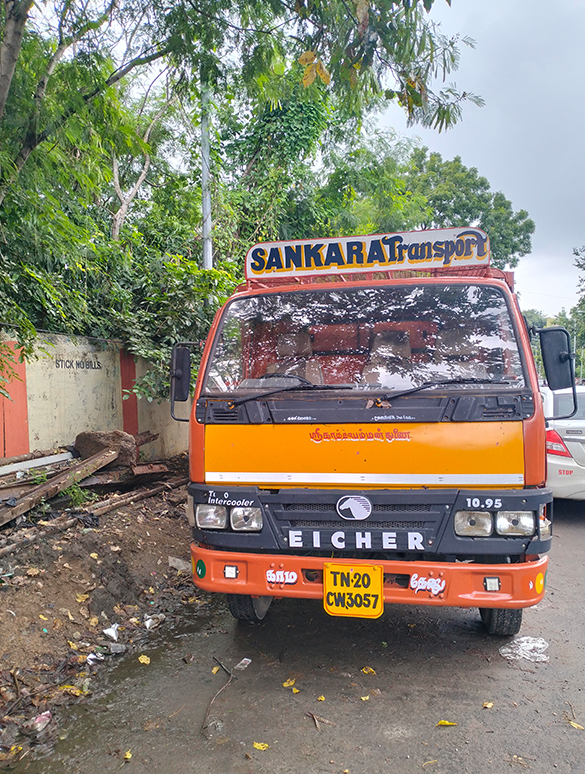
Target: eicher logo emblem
(354,508)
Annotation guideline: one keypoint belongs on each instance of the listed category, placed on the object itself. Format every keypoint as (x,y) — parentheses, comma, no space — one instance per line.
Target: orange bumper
(453,584)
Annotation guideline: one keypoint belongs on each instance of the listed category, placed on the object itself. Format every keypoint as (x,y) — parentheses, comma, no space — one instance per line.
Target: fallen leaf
(295,690)
(72,645)
(144,660)
(446,723)
(427,763)
(94,556)
(115,548)
(33,571)
(71,689)
(365,698)
(260,745)
(215,670)
(368,670)
(127,755)
(43,617)
(488,704)
(81,598)
(320,698)
(576,725)
(289,683)
(94,620)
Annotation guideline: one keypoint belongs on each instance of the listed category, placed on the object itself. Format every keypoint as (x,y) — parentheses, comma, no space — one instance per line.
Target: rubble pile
(94,558)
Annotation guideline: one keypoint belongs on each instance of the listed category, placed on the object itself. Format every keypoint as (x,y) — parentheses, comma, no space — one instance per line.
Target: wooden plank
(58,484)
(99,509)
(37,462)
(145,437)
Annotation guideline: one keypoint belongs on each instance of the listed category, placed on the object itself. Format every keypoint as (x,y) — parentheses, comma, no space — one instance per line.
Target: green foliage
(458,196)
(79,143)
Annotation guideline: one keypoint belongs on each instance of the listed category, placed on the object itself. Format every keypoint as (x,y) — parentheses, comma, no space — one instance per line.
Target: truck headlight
(473,523)
(515,522)
(246,519)
(211,516)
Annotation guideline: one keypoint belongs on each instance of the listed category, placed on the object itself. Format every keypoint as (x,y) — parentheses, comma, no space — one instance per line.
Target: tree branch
(33,138)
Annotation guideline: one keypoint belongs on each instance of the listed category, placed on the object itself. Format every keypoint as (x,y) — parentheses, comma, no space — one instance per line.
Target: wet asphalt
(368,696)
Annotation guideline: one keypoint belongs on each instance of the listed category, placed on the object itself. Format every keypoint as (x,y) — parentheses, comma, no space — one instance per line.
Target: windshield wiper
(304,384)
(428,385)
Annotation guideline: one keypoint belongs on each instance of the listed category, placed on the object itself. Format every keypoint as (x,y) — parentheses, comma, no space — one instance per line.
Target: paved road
(428,665)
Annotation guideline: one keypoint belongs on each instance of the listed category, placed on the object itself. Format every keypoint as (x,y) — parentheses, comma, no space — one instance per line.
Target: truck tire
(501,622)
(247,608)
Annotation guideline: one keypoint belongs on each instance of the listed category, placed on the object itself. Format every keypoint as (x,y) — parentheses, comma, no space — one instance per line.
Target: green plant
(78,496)
(38,477)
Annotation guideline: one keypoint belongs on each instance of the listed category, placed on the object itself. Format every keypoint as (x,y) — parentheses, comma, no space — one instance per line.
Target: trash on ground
(243,664)
(152,621)
(529,648)
(112,632)
(179,564)
(39,723)
(116,648)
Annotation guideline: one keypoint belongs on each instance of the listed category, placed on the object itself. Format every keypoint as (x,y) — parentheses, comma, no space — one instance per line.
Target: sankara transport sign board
(403,251)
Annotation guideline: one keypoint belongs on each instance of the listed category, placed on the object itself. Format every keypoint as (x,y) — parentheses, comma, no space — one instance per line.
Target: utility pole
(205,174)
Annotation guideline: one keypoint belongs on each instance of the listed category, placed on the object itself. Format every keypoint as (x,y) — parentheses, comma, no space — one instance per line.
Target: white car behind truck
(565,443)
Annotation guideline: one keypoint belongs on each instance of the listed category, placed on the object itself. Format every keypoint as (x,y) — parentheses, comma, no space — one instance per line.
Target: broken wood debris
(57,484)
(145,437)
(57,525)
(99,509)
(114,477)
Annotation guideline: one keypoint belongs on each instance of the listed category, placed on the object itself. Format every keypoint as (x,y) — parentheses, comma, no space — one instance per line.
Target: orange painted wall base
(14,413)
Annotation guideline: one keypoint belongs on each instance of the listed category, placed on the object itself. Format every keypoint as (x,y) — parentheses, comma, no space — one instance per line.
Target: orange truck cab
(367,429)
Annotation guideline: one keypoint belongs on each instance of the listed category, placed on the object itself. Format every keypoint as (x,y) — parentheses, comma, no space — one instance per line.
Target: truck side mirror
(558,361)
(180,376)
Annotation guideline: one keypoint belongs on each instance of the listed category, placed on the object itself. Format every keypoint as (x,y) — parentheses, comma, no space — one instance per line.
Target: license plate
(353,591)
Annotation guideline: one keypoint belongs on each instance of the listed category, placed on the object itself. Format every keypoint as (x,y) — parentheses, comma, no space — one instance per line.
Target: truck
(366,429)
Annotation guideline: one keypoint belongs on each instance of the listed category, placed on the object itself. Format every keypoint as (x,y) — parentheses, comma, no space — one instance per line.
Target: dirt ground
(58,594)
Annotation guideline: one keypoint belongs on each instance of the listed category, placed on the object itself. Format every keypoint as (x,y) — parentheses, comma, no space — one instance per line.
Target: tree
(459,196)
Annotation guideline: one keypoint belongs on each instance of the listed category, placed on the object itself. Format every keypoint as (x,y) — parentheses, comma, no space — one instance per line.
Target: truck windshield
(369,338)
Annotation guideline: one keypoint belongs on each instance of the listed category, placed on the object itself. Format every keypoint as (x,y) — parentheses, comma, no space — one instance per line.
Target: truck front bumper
(453,584)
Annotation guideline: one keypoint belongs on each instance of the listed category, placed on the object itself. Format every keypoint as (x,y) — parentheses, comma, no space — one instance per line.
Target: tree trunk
(16,15)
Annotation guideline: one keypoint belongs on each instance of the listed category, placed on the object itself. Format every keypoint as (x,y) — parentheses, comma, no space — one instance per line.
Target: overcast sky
(528,139)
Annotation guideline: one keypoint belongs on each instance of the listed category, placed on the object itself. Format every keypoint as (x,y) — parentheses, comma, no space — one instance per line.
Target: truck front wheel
(501,622)
(247,608)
